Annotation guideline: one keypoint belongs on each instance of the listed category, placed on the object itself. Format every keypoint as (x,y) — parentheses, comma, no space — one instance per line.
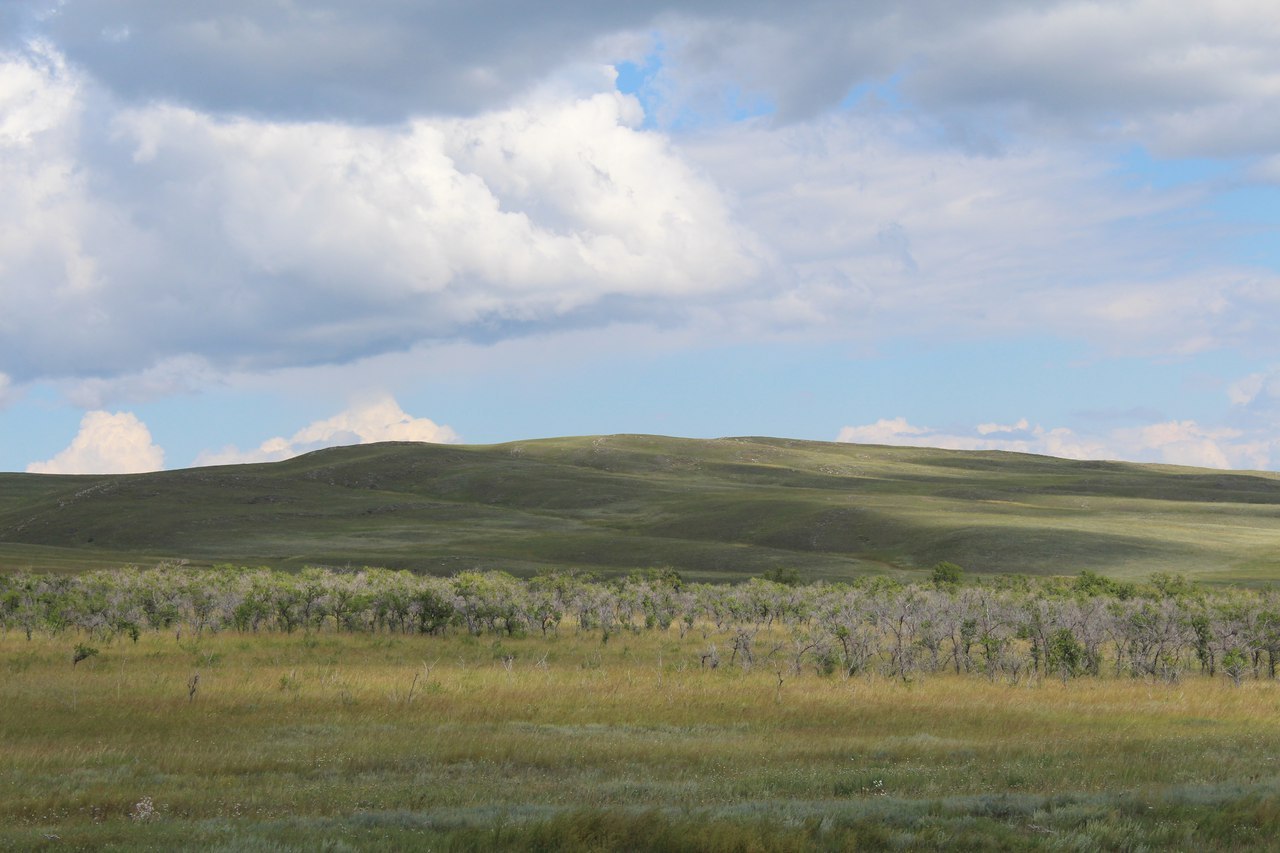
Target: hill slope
(724,508)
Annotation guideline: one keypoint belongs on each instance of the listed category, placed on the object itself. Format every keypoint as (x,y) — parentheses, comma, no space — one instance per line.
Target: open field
(726,509)
(341,741)
(348,710)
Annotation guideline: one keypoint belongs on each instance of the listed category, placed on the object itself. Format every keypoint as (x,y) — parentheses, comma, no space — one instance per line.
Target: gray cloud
(1168,74)
(1188,80)
(382,60)
(1164,75)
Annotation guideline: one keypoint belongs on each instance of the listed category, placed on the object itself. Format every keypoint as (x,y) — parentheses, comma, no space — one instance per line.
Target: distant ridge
(716,509)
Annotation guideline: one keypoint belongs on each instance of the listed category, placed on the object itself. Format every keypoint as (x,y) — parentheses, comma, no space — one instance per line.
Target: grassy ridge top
(713,509)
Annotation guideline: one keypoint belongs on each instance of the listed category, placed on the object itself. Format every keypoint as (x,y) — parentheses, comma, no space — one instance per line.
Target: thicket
(1008,627)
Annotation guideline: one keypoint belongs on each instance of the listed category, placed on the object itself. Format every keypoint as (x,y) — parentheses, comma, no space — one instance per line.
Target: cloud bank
(1199,78)
(922,169)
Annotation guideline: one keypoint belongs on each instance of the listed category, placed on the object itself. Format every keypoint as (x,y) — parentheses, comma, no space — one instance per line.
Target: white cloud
(1245,390)
(875,227)
(58,243)
(884,431)
(106,444)
(1020,439)
(132,238)
(988,429)
(1255,410)
(37,94)
(380,419)
(1257,392)
(1188,443)
(6,390)
(1173,442)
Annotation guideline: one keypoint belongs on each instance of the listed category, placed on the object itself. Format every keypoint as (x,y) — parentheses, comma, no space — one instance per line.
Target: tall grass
(385,741)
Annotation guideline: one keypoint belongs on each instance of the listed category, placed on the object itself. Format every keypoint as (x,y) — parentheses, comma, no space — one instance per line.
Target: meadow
(741,644)
(583,739)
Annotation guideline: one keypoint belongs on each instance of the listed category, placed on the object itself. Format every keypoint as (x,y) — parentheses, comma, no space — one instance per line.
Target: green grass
(328,741)
(714,510)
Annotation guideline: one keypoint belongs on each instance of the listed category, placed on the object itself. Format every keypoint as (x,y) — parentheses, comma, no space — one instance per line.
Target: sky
(240,231)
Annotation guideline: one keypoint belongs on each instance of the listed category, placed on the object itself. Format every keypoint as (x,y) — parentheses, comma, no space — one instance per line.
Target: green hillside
(713,509)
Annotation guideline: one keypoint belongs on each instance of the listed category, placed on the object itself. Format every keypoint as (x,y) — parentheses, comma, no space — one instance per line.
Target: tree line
(1009,627)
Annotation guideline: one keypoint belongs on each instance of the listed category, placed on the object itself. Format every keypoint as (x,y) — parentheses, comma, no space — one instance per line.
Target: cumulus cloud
(6,391)
(1173,442)
(1189,443)
(380,419)
(303,243)
(55,237)
(106,444)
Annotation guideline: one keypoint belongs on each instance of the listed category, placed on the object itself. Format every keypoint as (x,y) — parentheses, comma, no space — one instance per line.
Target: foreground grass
(351,742)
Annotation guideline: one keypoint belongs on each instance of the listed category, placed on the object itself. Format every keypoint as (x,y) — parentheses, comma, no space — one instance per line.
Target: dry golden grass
(290,738)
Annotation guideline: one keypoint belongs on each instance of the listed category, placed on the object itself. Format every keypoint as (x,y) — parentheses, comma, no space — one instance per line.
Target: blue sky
(241,234)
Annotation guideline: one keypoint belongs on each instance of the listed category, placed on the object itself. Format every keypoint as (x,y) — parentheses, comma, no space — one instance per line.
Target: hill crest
(711,508)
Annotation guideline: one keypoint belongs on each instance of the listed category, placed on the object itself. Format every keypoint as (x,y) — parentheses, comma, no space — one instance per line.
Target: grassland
(328,740)
(336,741)
(714,510)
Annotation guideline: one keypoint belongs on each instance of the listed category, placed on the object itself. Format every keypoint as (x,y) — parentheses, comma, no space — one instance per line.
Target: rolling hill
(712,509)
